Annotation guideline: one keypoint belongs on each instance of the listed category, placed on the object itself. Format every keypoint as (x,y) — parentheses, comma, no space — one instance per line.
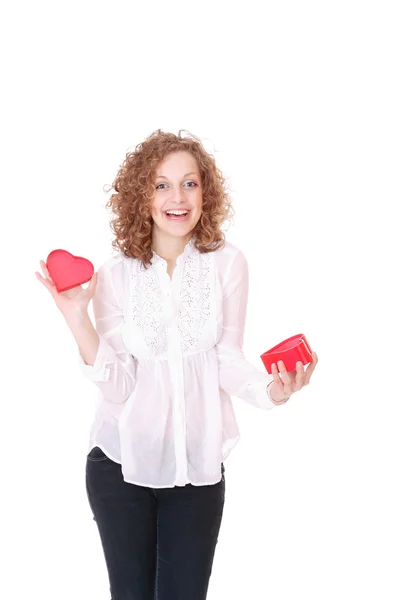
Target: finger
(310,370)
(51,287)
(46,271)
(92,285)
(282,367)
(275,374)
(314,361)
(300,375)
(285,377)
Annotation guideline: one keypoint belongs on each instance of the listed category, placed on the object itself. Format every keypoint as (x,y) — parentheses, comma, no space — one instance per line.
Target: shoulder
(116,264)
(228,255)
(232,267)
(113,263)
(113,272)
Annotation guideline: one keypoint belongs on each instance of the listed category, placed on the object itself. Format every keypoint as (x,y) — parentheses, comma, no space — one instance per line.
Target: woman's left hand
(287,382)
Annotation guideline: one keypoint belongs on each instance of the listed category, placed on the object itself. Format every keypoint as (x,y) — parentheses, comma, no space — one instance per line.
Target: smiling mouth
(177,215)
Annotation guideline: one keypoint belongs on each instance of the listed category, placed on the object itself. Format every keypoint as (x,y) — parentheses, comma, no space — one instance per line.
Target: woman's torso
(177,425)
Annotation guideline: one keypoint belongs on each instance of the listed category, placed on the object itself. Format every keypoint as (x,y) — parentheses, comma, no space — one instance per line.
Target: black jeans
(158,544)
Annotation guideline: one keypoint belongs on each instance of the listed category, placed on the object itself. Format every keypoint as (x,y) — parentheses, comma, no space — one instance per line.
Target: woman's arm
(85,335)
(238,377)
(102,354)
(103,357)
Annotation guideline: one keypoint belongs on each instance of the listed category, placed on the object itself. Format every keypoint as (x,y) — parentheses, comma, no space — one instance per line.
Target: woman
(166,355)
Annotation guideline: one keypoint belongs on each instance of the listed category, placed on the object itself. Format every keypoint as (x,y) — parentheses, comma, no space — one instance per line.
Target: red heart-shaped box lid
(68,271)
(290,351)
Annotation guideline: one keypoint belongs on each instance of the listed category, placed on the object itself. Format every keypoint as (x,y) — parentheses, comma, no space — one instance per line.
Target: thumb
(92,284)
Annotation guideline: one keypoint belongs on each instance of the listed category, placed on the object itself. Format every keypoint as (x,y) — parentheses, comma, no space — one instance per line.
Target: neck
(169,247)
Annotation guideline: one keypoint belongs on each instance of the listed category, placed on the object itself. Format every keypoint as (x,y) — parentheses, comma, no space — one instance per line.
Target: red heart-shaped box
(290,351)
(68,271)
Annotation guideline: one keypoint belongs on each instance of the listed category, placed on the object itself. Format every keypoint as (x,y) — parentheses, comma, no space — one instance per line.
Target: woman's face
(178,189)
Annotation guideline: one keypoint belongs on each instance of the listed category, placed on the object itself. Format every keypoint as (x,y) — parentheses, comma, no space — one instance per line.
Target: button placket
(171,290)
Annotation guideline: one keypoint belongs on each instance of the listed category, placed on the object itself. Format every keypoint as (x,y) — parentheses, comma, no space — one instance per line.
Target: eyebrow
(186,175)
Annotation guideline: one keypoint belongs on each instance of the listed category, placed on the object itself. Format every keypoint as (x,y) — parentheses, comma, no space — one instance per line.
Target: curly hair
(134,187)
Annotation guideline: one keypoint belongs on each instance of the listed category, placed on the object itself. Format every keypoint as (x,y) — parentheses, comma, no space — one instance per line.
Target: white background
(299,101)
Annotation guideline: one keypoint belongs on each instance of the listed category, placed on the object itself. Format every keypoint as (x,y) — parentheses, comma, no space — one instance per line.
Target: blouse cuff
(259,395)
(98,371)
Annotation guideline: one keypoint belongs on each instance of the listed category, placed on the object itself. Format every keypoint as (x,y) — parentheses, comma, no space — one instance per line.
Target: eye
(160,184)
(193,182)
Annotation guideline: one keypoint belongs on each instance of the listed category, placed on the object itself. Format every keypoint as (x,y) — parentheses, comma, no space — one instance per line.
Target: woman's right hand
(73,302)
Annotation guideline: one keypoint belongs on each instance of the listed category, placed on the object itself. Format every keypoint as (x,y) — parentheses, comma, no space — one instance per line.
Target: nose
(179,195)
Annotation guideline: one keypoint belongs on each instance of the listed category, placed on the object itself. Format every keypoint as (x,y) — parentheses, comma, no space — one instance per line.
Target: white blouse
(170,357)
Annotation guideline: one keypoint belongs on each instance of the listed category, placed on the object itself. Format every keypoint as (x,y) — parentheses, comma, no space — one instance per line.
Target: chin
(181,233)
(178,230)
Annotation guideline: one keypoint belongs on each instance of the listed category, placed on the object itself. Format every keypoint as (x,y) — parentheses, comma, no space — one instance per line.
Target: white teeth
(177,212)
